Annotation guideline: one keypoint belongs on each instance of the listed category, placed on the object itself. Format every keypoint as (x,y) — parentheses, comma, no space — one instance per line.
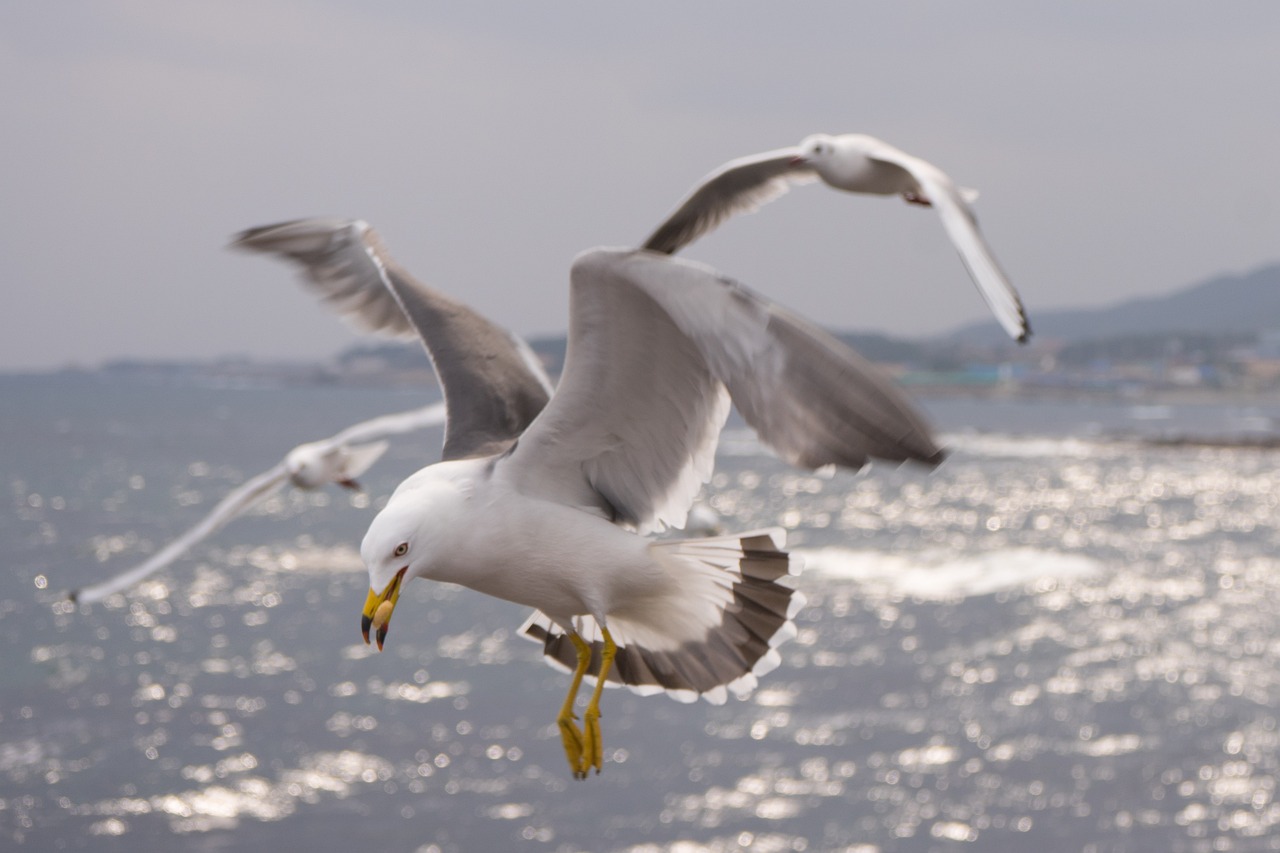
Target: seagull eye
(401,549)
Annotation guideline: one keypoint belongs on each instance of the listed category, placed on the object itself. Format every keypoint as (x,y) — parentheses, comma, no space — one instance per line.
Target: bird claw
(575,747)
(593,749)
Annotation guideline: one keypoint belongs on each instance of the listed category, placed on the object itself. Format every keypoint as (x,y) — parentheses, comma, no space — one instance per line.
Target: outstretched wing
(384,425)
(237,502)
(654,343)
(962,228)
(493,384)
(739,186)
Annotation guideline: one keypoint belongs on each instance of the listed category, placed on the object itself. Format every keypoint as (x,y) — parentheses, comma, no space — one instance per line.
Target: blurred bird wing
(237,502)
(962,228)
(493,383)
(739,186)
(393,424)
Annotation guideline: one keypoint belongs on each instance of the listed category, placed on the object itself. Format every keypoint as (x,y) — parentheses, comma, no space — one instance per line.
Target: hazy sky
(1121,149)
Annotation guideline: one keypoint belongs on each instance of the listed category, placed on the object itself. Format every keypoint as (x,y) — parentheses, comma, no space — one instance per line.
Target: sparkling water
(1063,639)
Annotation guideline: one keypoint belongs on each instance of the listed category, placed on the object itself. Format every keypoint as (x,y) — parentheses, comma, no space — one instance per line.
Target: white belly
(863,175)
(560,560)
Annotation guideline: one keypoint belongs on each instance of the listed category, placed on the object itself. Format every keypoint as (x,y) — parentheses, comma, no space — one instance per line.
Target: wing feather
(654,343)
(739,186)
(394,424)
(962,227)
(238,501)
(492,384)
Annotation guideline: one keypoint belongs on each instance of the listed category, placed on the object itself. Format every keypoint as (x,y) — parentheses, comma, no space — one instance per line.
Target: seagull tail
(714,631)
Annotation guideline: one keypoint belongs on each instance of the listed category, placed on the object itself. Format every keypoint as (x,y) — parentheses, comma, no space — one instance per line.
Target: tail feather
(718,631)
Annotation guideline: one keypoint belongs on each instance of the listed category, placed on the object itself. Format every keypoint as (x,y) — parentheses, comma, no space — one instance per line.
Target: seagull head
(320,463)
(814,150)
(403,542)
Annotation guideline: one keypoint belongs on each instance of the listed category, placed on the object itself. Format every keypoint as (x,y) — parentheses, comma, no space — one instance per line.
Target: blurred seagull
(856,163)
(552,511)
(339,459)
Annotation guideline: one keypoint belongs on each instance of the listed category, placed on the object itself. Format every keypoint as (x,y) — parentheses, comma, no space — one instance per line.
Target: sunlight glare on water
(1052,636)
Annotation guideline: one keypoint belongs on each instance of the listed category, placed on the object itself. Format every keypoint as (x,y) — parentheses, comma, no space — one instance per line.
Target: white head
(816,150)
(320,463)
(311,465)
(404,541)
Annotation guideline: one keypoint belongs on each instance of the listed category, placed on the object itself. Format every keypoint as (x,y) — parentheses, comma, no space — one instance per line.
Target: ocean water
(1063,639)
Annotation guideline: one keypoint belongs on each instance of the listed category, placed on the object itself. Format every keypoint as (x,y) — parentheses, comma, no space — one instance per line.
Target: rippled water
(1057,641)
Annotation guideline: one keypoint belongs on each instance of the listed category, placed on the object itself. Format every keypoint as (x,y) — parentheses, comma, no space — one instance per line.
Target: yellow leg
(570,734)
(594,746)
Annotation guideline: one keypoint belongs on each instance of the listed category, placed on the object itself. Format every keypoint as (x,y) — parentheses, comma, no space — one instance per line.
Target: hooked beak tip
(378,607)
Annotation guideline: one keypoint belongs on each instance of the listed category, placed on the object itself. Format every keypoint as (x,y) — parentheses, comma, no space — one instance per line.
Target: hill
(1224,305)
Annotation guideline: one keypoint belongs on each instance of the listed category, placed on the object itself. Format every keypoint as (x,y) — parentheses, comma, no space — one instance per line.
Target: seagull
(339,459)
(559,514)
(856,163)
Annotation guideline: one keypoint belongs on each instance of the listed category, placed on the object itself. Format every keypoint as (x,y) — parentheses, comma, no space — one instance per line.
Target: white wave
(1002,445)
(938,574)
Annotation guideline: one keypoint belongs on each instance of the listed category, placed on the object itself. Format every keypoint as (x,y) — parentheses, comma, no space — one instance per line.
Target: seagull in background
(339,459)
(855,163)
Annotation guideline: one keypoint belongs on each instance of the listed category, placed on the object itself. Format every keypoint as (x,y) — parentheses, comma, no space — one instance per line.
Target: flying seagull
(556,514)
(338,459)
(856,163)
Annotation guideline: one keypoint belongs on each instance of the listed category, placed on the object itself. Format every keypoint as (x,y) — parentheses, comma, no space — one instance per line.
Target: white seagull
(554,516)
(856,163)
(339,459)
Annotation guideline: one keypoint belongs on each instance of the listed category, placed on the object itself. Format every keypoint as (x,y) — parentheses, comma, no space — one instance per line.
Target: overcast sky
(1121,149)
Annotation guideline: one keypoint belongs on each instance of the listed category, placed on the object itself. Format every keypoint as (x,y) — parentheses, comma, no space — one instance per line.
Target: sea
(1064,638)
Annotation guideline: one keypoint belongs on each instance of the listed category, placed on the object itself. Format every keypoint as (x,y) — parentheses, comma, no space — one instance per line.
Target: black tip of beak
(351,484)
(365,624)
(382,636)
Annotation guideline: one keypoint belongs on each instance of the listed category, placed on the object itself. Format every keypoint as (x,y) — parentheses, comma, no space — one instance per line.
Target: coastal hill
(1223,305)
(1219,334)
(1212,322)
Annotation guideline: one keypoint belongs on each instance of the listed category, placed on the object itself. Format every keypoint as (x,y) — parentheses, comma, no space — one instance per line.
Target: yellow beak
(378,607)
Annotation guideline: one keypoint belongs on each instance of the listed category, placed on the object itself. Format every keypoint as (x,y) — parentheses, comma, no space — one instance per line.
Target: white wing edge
(394,424)
(962,228)
(238,501)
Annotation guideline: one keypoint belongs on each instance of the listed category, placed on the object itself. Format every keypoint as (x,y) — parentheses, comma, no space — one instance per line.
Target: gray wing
(739,186)
(654,342)
(238,501)
(493,385)
(962,227)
